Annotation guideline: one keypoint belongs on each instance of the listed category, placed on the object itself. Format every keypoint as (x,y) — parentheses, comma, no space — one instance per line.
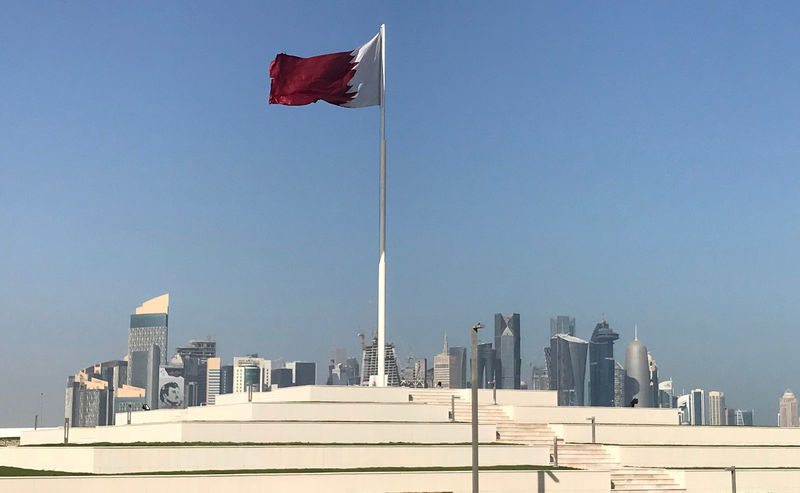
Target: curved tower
(637,383)
(601,365)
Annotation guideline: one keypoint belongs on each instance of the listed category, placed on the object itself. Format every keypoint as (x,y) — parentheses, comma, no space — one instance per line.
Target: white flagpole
(382,259)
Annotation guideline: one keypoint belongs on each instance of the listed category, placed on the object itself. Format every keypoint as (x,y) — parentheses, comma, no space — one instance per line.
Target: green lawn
(263,444)
(16,472)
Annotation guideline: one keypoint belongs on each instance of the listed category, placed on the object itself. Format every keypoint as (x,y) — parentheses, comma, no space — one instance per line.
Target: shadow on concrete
(541,480)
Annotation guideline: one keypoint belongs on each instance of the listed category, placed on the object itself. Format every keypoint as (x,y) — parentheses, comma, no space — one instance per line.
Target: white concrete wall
(332,393)
(273,432)
(455,482)
(322,393)
(544,398)
(296,411)
(577,414)
(679,435)
(698,456)
(748,480)
(119,460)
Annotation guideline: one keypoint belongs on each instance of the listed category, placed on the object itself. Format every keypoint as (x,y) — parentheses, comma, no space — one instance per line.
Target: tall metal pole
(475,406)
(382,254)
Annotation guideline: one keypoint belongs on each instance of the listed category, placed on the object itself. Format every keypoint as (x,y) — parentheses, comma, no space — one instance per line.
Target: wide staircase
(589,456)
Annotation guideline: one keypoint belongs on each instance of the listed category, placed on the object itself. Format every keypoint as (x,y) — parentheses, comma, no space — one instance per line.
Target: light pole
(475,406)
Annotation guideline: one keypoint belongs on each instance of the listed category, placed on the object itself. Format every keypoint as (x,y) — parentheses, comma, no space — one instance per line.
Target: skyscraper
(198,349)
(717,414)
(743,418)
(653,368)
(601,365)
(665,394)
(303,372)
(566,366)
(444,368)
(507,347)
(149,327)
(637,383)
(562,325)
(787,416)
(212,380)
(539,379)
(486,365)
(619,385)
(251,370)
(369,363)
(460,367)
(693,408)
(143,372)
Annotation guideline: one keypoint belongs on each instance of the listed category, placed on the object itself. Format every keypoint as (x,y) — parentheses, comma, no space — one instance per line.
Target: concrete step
(644,479)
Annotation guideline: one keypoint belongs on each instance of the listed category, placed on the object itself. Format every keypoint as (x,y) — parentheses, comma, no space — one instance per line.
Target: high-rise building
(562,325)
(539,379)
(282,378)
(566,366)
(303,372)
(693,408)
(143,372)
(486,365)
(226,379)
(684,409)
(717,414)
(212,380)
(369,364)
(87,402)
(619,385)
(507,346)
(444,368)
(653,368)
(149,327)
(251,370)
(787,415)
(459,367)
(343,372)
(198,349)
(637,383)
(743,418)
(601,365)
(128,398)
(665,395)
(420,372)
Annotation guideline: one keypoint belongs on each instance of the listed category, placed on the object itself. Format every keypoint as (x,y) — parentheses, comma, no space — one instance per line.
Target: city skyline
(643,172)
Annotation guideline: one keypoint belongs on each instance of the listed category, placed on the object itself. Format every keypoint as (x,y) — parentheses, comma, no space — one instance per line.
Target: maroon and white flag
(351,78)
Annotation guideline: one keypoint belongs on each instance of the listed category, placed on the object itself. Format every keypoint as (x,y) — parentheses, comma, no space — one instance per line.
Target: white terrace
(345,428)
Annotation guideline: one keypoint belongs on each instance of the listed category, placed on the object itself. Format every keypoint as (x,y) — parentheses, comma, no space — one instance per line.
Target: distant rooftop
(159,304)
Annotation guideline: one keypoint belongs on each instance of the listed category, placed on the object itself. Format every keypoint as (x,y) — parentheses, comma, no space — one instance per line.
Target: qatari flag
(351,78)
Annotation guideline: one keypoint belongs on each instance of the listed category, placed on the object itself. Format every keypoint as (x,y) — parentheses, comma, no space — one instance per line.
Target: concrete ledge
(699,456)
(326,393)
(678,435)
(294,411)
(120,460)
(322,393)
(608,415)
(751,480)
(455,482)
(269,432)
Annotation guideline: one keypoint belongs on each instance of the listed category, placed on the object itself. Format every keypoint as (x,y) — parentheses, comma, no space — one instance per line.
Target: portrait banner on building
(170,391)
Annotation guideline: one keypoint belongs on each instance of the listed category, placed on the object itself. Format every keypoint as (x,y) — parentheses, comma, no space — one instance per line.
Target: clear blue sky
(638,161)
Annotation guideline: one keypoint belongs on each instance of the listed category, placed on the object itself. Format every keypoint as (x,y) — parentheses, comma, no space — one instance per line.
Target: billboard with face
(170,391)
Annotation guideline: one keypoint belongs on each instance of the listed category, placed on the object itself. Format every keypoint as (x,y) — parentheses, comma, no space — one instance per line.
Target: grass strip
(19,472)
(265,444)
